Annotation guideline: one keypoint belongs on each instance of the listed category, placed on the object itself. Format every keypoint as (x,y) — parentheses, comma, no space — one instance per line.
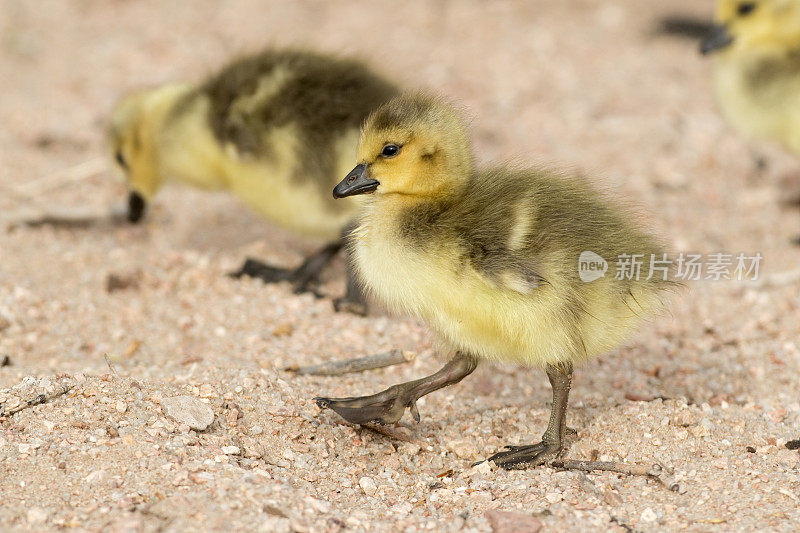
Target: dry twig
(43,213)
(654,471)
(66,219)
(361,364)
(37,400)
(61,177)
(110,365)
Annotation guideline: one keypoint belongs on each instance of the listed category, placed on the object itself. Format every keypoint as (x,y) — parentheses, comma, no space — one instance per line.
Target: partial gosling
(277,129)
(488,258)
(756,48)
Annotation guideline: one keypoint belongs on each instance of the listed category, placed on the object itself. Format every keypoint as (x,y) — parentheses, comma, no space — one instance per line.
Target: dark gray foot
(348,305)
(517,457)
(256,269)
(270,274)
(304,278)
(386,407)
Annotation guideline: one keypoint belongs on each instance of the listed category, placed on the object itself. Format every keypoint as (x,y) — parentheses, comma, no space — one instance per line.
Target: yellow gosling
(756,47)
(277,129)
(488,258)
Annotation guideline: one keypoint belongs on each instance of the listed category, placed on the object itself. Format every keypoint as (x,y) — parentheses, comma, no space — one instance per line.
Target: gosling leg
(552,443)
(354,300)
(388,406)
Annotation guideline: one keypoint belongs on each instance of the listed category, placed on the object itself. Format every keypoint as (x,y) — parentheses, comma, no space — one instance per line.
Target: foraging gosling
(277,129)
(488,258)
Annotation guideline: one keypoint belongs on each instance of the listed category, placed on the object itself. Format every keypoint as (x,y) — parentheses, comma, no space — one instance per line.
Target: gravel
(708,390)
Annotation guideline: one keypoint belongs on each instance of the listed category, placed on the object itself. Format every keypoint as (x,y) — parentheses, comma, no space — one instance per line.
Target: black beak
(356,182)
(136,205)
(717,38)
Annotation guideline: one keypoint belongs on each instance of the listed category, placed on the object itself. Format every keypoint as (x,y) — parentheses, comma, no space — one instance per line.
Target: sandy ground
(709,390)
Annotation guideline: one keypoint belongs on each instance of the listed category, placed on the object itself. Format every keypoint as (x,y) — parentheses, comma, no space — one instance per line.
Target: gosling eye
(390,150)
(745,8)
(121,160)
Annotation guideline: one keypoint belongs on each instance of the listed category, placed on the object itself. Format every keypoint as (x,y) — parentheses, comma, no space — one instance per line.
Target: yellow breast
(763,107)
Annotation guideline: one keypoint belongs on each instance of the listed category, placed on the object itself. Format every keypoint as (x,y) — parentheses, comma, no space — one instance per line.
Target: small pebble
(463,448)
(188,410)
(36,515)
(368,486)
(96,477)
(512,522)
(649,515)
(553,497)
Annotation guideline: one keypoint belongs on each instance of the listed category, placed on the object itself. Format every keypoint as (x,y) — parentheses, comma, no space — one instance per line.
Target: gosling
(277,129)
(488,258)
(756,48)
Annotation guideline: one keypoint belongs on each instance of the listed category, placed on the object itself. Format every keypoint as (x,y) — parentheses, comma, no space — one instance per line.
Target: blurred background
(586,84)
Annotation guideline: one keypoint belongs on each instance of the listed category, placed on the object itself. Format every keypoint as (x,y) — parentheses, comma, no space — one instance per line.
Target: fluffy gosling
(489,259)
(277,129)
(756,47)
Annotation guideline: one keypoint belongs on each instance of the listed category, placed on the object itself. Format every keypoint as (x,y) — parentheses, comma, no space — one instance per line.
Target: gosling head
(414,146)
(765,27)
(132,136)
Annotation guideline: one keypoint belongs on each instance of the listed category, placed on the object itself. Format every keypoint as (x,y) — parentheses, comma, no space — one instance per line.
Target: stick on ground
(38,400)
(73,218)
(655,471)
(110,365)
(361,364)
(41,213)
(82,171)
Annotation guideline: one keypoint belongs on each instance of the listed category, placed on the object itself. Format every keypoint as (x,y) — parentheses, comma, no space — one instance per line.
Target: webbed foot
(518,457)
(256,269)
(389,406)
(386,407)
(271,274)
(552,444)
